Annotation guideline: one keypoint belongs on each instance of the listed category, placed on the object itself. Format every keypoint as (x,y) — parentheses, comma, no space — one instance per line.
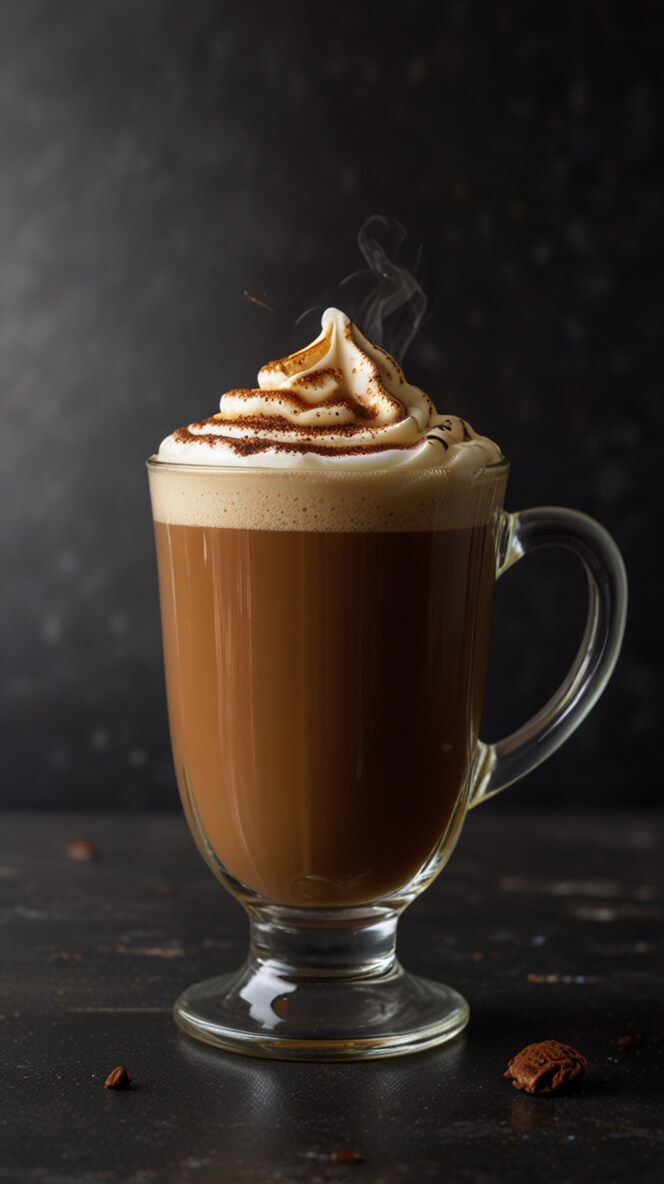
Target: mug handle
(498,765)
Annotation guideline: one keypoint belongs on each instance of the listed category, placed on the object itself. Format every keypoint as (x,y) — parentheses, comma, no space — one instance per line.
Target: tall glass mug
(326,637)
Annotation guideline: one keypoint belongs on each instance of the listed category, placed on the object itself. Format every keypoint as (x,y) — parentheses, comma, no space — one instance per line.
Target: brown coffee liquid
(324,693)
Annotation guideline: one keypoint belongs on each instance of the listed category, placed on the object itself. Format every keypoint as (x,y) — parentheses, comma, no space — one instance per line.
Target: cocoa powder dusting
(248,447)
(303,359)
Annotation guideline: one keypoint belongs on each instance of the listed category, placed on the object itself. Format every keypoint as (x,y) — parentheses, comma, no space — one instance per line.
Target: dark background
(158,159)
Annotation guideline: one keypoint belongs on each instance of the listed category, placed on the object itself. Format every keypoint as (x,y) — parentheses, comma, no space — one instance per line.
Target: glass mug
(325,640)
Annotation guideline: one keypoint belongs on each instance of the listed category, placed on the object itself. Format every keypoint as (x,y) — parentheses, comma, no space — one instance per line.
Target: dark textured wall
(160,158)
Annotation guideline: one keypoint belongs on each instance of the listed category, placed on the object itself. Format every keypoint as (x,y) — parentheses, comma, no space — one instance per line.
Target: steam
(385,299)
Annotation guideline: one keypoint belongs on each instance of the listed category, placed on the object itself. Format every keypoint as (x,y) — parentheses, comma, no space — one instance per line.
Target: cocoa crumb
(119,1078)
(82,850)
(255,300)
(546,1068)
(632,1038)
(346,1157)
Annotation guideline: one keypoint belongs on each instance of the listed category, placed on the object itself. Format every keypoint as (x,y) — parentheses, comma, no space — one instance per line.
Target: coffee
(326,558)
(325,684)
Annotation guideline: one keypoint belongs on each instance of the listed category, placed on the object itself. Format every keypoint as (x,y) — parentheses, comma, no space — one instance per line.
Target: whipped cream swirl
(341,401)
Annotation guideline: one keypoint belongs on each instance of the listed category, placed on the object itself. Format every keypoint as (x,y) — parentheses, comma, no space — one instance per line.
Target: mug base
(317,1019)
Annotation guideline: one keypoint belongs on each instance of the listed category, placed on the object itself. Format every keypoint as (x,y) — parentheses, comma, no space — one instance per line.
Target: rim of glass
(153,462)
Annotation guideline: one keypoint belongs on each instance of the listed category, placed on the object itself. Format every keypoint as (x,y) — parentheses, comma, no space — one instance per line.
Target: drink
(325,685)
(327,547)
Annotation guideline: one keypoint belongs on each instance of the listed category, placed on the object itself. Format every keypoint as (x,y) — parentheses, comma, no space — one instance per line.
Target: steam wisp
(385,299)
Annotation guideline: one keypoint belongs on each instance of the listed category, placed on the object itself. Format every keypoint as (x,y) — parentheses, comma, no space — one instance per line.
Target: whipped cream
(341,402)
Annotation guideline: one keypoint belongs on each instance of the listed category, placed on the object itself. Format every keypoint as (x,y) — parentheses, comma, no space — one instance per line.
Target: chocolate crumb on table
(632,1038)
(548,1067)
(118,1078)
(346,1157)
(82,850)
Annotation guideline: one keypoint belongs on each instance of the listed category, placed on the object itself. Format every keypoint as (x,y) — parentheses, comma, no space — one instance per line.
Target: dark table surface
(548,924)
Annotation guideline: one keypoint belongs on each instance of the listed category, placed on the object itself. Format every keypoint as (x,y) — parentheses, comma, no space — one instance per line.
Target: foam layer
(341,401)
(323,500)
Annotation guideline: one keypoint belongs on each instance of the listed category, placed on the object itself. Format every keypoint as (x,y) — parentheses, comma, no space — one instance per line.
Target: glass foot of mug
(261,1012)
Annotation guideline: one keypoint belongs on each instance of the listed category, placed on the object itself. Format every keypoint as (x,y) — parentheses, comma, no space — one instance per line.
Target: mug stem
(321,985)
(331,944)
